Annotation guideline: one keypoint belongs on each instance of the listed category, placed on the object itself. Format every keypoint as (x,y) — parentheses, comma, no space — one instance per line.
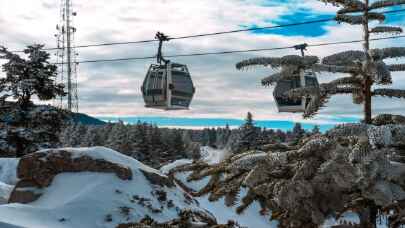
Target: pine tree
(28,77)
(298,132)
(249,135)
(316,130)
(365,68)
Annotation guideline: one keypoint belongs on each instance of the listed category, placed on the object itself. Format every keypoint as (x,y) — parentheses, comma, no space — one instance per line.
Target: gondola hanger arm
(162,38)
(302,47)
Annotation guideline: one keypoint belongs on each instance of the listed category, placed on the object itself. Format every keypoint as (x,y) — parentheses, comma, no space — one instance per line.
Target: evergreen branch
(269,61)
(386,29)
(346,3)
(346,58)
(286,72)
(329,89)
(359,19)
(380,73)
(396,67)
(350,10)
(398,93)
(335,69)
(345,81)
(298,93)
(306,61)
(314,106)
(386,3)
(393,52)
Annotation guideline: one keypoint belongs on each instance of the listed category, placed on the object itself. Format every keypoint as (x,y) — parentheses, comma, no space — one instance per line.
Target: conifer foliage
(365,68)
(29,76)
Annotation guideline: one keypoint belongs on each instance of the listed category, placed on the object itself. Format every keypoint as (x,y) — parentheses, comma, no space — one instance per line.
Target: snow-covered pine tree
(248,135)
(316,130)
(365,68)
(29,76)
(298,132)
(118,138)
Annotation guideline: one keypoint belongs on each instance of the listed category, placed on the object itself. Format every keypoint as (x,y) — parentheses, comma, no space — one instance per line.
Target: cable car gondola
(167,85)
(301,78)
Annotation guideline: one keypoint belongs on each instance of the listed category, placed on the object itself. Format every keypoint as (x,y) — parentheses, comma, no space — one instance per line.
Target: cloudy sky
(113,89)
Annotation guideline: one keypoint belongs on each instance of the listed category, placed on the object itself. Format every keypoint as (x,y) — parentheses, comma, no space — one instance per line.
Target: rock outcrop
(36,171)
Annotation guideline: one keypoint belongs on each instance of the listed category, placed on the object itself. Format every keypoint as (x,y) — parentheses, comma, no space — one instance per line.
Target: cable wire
(237,51)
(217,33)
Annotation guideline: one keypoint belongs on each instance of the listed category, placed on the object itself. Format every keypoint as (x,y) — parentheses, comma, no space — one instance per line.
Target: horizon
(201,123)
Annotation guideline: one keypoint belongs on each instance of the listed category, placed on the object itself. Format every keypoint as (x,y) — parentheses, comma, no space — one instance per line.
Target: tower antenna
(66,55)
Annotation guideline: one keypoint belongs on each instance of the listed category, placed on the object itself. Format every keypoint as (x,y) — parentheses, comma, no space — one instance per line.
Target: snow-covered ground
(102,200)
(249,218)
(90,199)
(8,178)
(8,170)
(213,156)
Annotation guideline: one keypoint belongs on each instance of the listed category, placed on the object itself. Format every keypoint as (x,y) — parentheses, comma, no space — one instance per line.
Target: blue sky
(113,89)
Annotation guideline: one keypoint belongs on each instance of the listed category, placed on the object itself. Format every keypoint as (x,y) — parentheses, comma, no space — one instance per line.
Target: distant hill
(86,119)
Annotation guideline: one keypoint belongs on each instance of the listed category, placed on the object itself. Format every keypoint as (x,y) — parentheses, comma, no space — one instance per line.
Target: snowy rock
(99,199)
(42,166)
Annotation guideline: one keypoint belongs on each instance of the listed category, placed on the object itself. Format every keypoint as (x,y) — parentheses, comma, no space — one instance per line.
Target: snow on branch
(393,52)
(286,72)
(313,106)
(346,3)
(356,20)
(351,10)
(396,67)
(398,93)
(386,29)
(386,3)
(304,91)
(295,60)
(270,80)
(345,81)
(380,73)
(269,61)
(335,69)
(346,58)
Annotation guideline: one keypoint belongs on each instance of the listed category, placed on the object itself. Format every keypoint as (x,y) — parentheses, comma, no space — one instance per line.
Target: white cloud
(222,91)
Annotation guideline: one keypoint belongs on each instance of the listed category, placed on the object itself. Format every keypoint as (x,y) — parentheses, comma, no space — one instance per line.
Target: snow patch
(8,170)
(166,168)
(213,156)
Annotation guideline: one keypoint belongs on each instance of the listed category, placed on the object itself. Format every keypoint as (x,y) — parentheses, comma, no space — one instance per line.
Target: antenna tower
(67,56)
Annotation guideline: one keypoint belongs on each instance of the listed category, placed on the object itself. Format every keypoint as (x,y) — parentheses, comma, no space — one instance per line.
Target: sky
(113,89)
